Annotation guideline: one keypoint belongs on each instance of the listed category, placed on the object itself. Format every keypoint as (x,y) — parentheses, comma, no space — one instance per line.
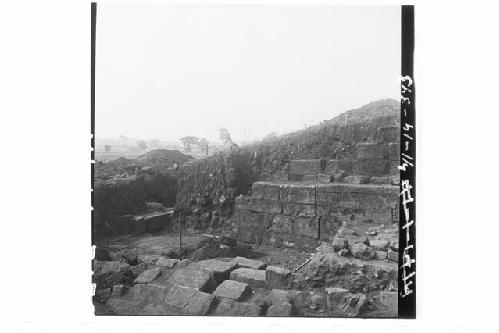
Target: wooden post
(180,237)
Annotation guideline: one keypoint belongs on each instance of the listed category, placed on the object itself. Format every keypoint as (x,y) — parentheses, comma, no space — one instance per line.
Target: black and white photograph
(247,160)
(253,166)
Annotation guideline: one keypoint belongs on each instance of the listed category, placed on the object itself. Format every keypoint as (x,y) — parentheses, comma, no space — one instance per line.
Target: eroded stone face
(253,277)
(248,263)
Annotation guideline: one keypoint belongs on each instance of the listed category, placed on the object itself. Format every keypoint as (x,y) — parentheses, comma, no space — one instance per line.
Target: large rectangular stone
(333,166)
(298,193)
(189,301)
(291,208)
(305,167)
(233,289)
(219,270)
(372,151)
(255,278)
(371,167)
(265,190)
(267,206)
(195,277)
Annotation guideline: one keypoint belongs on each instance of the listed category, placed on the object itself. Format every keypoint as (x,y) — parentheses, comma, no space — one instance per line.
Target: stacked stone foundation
(300,214)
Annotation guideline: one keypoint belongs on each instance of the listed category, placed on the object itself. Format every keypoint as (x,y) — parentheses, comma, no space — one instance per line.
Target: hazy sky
(166,71)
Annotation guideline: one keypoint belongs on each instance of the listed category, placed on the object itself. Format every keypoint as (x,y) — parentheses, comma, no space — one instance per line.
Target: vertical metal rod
(180,237)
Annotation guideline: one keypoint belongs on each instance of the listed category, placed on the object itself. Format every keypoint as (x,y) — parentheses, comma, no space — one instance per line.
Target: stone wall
(302,213)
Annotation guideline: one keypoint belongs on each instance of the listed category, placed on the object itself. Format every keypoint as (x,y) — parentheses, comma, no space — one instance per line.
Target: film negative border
(407,245)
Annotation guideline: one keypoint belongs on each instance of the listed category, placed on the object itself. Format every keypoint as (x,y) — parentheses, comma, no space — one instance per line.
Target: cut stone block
(148,276)
(253,277)
(277,277)
(229,307)
(305,167)
(219,270)
(267,206)
(243,262)
(291,208)
(356,179)
(189,301)
(233,289)
(194,277)
(298,193)
(266,190)
(372,151)
(280,310)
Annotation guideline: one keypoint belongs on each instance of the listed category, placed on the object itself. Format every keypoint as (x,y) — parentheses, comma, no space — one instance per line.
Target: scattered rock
(253,277)
(233,289)
(148,276)
(361,251)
